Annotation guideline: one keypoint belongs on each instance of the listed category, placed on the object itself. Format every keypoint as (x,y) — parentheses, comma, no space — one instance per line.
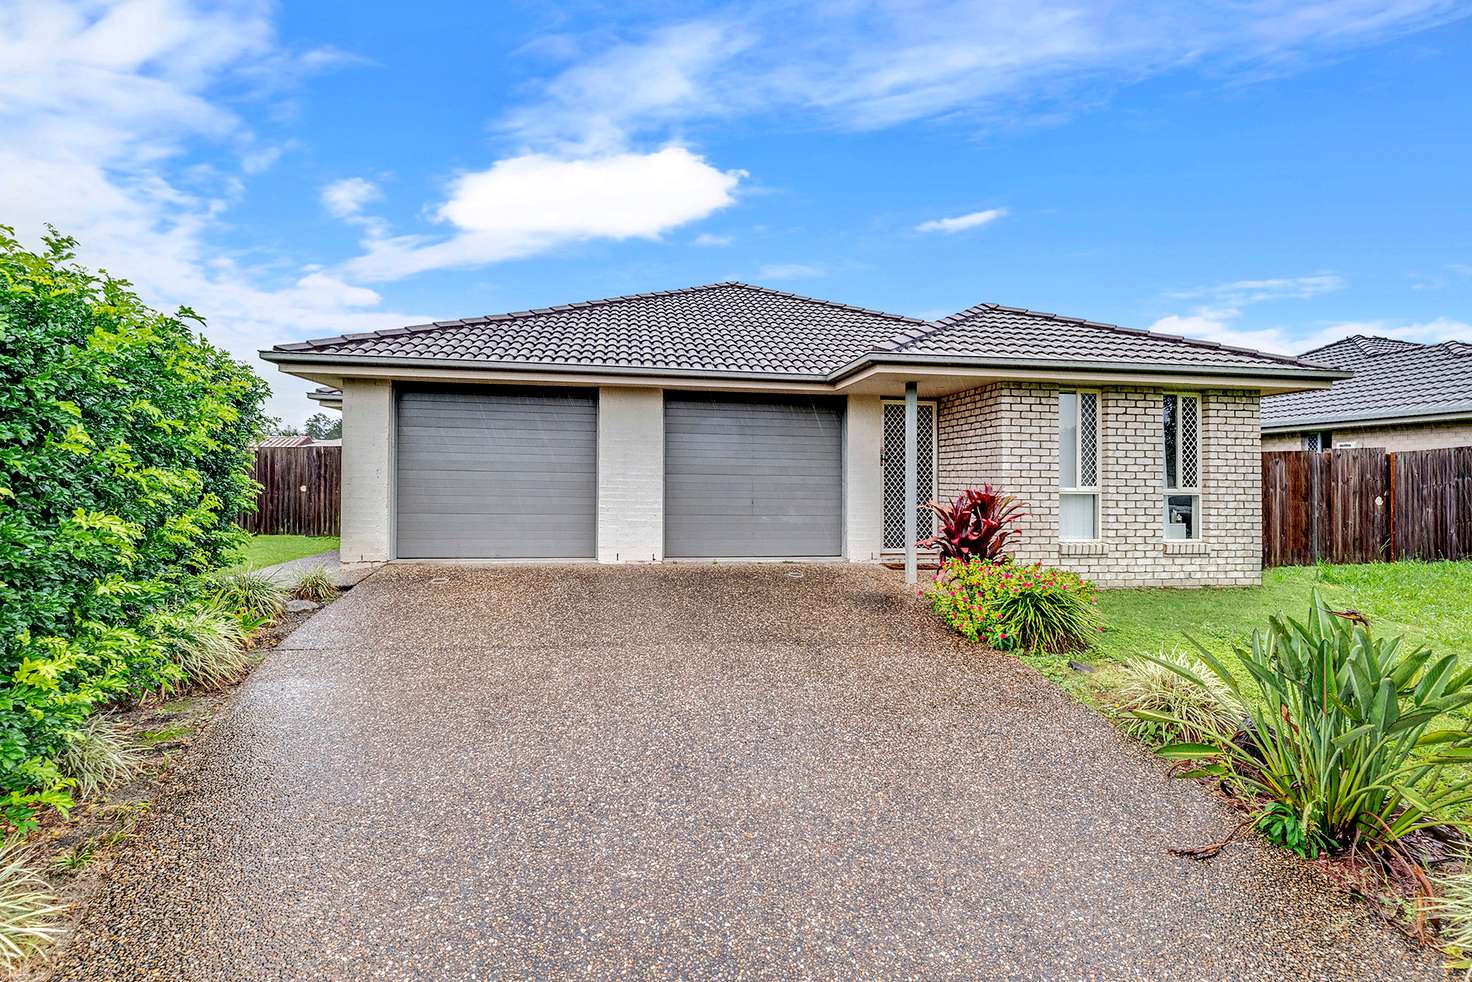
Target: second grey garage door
(752,477)
(496,475)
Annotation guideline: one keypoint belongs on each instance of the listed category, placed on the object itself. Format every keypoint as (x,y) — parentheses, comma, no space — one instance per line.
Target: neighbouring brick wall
(1421,436)
(1007,434)
(1282,441)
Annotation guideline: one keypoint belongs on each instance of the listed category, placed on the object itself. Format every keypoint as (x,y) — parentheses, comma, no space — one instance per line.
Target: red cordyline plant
(977,525)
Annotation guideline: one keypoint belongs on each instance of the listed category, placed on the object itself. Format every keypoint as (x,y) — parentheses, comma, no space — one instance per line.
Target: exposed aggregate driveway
(687,771)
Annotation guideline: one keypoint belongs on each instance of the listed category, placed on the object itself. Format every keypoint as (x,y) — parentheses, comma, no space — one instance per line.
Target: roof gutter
(1297,373)
(1313,378)
(334,360)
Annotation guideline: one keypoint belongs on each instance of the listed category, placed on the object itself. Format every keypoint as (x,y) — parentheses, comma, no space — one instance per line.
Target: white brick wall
(1007,434)
(630,475)
(863,482)
(367,471)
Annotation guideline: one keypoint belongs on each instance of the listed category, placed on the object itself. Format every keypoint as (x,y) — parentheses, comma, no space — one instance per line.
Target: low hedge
(124,451)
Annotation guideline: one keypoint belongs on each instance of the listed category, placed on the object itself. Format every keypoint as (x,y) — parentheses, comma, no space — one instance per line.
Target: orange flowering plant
(1014,607)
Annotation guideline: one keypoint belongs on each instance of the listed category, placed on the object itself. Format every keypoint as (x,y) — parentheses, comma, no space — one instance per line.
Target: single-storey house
(735,422)
(1401,396)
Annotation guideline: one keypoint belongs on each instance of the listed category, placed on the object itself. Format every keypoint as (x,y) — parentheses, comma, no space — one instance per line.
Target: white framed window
(1078,466)
(1180,421)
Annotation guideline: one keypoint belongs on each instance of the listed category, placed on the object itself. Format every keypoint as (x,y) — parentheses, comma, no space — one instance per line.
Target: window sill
(1185,547)
(1082,548)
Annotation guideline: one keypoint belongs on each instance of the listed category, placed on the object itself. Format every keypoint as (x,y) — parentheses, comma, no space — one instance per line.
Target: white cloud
(961,223)
(530,204)
(345,198)
(1223,325)
(1219,318)
(711,241)
(104,104)
(791,271)
(1243,292)
(860,65)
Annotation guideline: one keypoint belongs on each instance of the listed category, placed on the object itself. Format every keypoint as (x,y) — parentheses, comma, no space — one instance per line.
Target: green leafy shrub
(1336,747)
(315,585)
(250,593)
(98,754)
(1031,608)
(206,642)
(1199,712)
(29,911)
(124,453)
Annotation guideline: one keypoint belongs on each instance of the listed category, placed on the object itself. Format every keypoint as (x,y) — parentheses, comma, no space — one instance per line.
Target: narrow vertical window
(1180,419)
(1078,465)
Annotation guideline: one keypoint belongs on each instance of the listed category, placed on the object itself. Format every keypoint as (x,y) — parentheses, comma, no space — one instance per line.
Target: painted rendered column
(367,471)
(912,477)
(863,479)
(630,475)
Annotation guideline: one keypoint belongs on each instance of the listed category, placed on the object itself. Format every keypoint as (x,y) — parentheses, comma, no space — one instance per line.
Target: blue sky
(1275,174)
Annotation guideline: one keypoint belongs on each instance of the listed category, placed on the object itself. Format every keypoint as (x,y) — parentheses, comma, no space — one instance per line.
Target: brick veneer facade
(1007,434)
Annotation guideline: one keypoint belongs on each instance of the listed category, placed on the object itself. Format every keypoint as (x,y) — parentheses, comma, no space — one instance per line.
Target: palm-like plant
(977,525)
(1337,733)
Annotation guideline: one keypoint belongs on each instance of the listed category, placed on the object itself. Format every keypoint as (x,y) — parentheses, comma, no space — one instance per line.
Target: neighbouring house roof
(326,397)
(995,331)
(1393,381)
(286,441)
(744,330)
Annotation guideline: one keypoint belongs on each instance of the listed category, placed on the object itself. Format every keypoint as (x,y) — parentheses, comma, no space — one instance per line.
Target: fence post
(1390,516)
(1315,485)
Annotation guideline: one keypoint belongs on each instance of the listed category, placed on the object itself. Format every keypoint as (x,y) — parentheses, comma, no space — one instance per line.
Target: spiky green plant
(1337,731)
(207,642)
(315,585)
(250,593)
(98,754)
(1147,685)
(30,914)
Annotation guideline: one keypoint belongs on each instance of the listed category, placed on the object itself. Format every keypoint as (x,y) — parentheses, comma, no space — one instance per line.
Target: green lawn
(268,550)
(1429,603)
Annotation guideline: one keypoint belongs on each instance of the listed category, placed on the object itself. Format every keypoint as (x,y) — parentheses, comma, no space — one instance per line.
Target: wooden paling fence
(1363,506)
(301,491)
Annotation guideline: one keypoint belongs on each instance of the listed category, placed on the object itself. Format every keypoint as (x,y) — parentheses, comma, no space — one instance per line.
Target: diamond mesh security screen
(1189,438)
(1088,440)
(894,473)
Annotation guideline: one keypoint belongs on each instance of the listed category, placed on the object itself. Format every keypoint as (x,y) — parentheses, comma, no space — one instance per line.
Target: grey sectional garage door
(505,475)
(752,477)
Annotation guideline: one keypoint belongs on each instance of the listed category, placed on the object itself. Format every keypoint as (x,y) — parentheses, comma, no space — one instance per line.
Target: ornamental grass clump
(1148,685)
(1336,749)
(97,755)
(315,585)
(1009,607)
(253,594)
(1451,906)
(206,642)
(30,915)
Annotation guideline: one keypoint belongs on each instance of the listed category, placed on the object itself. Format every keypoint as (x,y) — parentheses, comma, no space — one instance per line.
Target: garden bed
(74,853)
